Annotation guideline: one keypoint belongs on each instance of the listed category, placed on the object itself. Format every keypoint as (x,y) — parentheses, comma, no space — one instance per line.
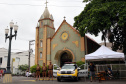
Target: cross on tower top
(46,3)
(64,17)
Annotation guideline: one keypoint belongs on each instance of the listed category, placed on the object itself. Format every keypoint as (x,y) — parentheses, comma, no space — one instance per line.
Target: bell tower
(44,32)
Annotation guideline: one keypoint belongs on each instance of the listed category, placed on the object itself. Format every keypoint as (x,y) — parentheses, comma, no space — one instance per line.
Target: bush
(33,68)
(79,63)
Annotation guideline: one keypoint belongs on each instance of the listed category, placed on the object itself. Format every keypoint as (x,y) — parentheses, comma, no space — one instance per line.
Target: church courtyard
(30,80)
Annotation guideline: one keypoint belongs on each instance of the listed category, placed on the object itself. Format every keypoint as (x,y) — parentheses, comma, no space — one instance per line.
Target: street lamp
(10,39)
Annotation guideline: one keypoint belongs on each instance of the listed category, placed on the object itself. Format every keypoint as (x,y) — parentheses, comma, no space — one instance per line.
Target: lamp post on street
(8,72)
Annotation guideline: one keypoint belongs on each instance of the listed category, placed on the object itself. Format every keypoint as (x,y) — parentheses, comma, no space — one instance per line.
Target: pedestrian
(38,68)
(0,73)
(27,72)
(4,71)
(109,69)
(92,69)
(109,72)
(44,68)
(50,71)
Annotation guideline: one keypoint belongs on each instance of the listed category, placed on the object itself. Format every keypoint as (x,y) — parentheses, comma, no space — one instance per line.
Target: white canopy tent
(104,53)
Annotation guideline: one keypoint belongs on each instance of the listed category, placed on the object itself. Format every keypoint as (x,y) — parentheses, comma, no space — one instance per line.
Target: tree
(106,16)
(79,63)
(23,67)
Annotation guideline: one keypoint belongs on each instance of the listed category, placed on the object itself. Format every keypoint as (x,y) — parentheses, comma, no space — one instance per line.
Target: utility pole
(29,53)
(0,61)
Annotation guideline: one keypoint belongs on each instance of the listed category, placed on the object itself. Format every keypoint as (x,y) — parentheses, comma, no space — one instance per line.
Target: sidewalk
(31,80)
(17,79)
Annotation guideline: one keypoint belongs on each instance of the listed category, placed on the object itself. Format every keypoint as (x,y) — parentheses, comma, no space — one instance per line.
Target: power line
(38,5)
(54,0)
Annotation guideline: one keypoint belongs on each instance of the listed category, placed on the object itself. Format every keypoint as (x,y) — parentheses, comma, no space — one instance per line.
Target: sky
(27,13)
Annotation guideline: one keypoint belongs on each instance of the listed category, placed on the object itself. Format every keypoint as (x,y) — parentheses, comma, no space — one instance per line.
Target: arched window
(40,55)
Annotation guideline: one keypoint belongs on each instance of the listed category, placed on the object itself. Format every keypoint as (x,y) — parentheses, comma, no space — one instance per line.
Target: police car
(70,71)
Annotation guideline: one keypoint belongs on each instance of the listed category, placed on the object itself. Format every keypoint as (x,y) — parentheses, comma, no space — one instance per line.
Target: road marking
(47,79)
(38,80)
(29,80)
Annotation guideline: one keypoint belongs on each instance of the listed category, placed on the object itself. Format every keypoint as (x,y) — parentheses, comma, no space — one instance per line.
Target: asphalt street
(25,80)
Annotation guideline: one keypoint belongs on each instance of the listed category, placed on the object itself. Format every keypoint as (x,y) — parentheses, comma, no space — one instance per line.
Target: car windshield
(68,67)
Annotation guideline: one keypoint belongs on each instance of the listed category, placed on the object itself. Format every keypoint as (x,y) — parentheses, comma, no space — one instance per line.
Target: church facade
(64,45)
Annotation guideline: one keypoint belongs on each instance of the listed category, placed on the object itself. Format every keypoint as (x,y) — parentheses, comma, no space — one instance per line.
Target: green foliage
(33,68)
(87,0)
(23,67)
(55,67)
(79,63)
(106,16)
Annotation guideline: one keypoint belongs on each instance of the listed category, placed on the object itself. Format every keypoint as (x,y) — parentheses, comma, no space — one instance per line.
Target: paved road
(25,80)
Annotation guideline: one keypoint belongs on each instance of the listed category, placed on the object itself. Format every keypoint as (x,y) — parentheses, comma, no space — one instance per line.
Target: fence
(121,68)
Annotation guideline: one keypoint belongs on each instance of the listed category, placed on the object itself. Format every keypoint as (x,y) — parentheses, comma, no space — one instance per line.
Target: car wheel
(58,79)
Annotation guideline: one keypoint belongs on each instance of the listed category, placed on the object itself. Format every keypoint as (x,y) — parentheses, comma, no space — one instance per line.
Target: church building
(60,46)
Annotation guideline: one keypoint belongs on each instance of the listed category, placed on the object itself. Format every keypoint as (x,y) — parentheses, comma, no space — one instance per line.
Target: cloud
(27,13)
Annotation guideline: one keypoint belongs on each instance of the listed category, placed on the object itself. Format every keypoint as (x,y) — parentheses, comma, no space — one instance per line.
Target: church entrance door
(65,57)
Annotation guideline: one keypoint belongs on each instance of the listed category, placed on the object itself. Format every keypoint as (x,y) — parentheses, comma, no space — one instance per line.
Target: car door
(83,70)
(55,69)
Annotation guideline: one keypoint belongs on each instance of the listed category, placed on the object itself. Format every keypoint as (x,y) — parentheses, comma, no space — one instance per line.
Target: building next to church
(64,45)
(21,58)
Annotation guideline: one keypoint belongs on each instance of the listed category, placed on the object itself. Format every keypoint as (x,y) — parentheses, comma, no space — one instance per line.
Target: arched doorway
(65,57)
